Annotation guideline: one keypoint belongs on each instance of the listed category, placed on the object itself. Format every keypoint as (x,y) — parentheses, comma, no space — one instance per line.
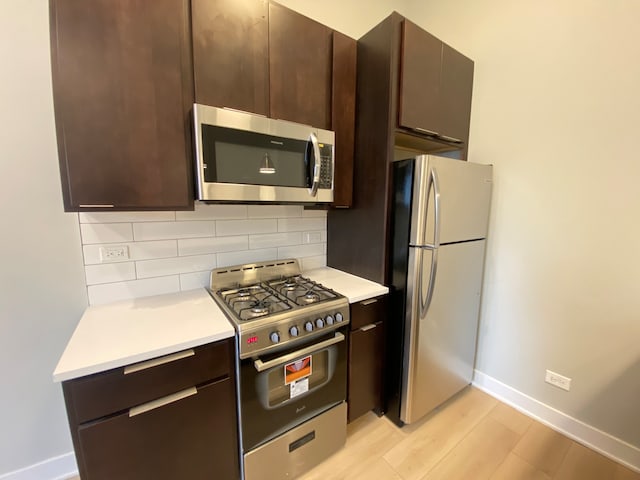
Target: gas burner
(260,307)
(308,298)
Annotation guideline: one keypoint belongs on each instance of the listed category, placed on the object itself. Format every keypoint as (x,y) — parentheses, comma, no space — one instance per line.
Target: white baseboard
(56,468)
(608,445)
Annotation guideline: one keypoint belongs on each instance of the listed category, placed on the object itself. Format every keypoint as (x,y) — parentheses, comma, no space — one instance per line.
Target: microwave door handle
(316,165)
(262,366)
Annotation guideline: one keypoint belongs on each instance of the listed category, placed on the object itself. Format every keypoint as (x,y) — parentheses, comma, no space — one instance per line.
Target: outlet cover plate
(558,380)
(114,253)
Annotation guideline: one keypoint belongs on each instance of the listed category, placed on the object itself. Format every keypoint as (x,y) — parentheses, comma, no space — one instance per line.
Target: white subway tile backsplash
(171,230)
(110,272)
(203,211)
(106,233)
(274,211)
(309,263)
(172,251)
(197,246)
(137,251)
(314,213)
(275,240)
(122,217)
(300,251)
(247,256)
(301,224)
(112,292)
(245,227)
(176,265)
(189,281)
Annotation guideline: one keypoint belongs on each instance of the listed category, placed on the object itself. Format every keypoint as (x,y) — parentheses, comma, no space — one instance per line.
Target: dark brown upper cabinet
(343,116)
(123,88)
(436,83)
(300,59)
(231,54)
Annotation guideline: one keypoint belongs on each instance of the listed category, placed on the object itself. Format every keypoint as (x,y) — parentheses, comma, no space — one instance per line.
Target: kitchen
(551,99)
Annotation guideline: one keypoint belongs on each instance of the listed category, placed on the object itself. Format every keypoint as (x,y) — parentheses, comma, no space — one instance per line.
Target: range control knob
(308,326)
(328,319)
(339,317)
(293,331)
(319,323)
(275,337)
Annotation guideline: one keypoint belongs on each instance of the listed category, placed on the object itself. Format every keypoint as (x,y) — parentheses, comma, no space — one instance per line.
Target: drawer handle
(369,302)
(136,367)
(161,402)
(366,328)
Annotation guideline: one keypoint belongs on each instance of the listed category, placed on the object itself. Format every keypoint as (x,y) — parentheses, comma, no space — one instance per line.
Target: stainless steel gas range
(292,361)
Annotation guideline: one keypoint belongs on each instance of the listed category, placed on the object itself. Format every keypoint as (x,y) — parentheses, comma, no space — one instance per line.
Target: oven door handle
(262,366)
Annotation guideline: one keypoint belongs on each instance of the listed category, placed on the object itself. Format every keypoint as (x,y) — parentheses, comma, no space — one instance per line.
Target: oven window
(248,158)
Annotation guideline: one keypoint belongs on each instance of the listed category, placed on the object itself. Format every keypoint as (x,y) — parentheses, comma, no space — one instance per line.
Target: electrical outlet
(114,253)
(558,380)
(312,237)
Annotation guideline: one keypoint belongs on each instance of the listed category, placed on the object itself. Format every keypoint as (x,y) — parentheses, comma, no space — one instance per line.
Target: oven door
(281,390)
(244,157)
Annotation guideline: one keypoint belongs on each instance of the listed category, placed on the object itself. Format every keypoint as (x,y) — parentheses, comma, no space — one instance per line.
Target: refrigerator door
(443,302)
(451,201)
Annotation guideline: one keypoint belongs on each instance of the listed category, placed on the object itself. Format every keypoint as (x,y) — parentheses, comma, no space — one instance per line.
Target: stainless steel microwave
(242,157)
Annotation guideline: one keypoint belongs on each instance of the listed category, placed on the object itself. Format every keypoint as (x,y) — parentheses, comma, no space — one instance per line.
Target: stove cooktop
(271,304)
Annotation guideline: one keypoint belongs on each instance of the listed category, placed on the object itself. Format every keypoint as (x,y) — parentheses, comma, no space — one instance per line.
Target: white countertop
(130,331)
(354,288)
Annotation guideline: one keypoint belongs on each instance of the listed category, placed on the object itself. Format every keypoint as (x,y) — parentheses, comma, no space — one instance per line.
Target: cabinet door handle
(161,402)
(95,205)
(366,328)
(136,367)
(424,130)
(368,302)
(449,139)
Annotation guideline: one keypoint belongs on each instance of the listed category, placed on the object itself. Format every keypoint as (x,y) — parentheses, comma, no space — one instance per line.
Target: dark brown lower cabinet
(366,357)
(191,437)
(168,418)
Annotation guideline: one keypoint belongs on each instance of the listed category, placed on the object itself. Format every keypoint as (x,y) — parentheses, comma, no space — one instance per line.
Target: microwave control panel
(326,166)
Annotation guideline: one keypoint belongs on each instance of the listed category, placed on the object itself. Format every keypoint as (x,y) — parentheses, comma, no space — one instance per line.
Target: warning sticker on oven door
(296,370)
(298,387)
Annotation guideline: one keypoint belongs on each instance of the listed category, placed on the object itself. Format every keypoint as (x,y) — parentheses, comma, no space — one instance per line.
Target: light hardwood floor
(471,437)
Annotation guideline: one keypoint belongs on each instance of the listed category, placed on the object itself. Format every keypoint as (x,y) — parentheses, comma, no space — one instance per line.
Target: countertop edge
(63,376)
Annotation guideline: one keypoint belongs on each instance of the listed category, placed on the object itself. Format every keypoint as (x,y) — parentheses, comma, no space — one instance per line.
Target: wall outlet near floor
(558,380)
(114,253)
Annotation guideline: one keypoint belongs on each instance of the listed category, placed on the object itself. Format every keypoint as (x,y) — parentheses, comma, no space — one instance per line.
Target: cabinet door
(455,94)
(299,68)
(194,437)
(122,92)
(419,80)
(366,347)
(231,54)
(343,116)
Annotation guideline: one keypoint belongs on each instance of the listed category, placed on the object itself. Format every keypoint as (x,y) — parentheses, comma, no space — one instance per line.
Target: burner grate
(253,302)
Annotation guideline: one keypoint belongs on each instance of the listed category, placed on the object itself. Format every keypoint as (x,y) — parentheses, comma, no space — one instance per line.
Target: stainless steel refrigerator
(440,212)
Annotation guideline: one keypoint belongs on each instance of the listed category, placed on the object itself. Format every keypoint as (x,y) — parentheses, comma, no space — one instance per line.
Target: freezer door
(443,302)
(451,201)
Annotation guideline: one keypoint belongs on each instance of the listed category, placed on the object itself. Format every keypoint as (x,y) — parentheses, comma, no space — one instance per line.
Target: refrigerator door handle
(425,301)
(436,205)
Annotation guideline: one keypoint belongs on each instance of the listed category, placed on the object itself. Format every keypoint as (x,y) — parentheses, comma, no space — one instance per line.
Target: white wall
(556,109)
(42,291)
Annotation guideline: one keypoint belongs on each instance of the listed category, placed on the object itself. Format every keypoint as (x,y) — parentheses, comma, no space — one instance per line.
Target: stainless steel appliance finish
(300,449)
(440,220)
(292,355)
(244,157)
